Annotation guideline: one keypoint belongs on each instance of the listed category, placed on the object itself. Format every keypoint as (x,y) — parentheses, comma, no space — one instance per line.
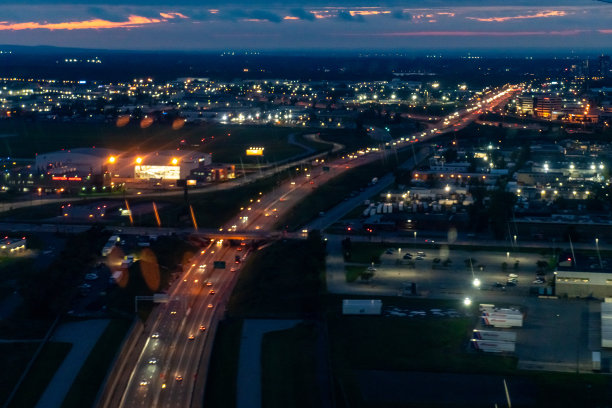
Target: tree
(542,265)
(499,211)
(367,275)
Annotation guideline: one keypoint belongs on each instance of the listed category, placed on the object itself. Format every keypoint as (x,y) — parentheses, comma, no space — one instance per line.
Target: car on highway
(202,328)
(178,378)
(191,336)
(211,292)
(209,283)
(144,383)
(152,360)
(155,335)
(173,312)
(210,305)
(234,269)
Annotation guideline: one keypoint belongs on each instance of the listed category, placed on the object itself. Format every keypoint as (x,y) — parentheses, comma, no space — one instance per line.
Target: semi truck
(494,335)
(492,346)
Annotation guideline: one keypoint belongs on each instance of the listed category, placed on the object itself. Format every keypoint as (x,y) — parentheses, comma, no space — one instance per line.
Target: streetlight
(598,254)
(476,283)
(467,301)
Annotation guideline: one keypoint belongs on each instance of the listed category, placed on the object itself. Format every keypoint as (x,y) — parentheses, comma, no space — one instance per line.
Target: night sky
(259,25)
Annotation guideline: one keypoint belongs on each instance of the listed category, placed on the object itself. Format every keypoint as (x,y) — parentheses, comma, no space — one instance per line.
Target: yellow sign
(255,151)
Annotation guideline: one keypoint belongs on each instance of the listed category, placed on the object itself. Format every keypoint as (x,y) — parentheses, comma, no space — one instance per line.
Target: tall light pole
(598,254)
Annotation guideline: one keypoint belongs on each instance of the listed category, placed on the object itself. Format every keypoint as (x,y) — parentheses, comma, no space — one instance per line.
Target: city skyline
(319,26)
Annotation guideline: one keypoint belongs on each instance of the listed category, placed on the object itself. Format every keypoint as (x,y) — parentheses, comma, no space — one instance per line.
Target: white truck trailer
(492,346)
(498,320)
(495,335)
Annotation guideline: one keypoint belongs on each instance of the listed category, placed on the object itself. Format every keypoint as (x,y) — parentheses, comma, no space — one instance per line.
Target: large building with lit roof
(80,163)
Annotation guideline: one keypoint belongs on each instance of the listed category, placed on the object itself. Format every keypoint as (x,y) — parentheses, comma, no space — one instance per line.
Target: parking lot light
(467,301)
(476,283)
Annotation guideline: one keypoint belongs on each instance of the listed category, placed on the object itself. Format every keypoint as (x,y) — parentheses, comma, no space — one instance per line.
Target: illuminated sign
(157,172)
(191,182)
(64,178)
(255,151)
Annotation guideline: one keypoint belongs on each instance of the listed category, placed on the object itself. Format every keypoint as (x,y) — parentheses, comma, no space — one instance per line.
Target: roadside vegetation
(223,368)
(268,287)
(87,384)
(339,188)
(288,363)
(289,288)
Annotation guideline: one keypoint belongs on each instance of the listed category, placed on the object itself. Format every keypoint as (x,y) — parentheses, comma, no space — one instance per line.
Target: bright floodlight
(139,160)
(175,161)
(467,301)
(112,159)
(476,283)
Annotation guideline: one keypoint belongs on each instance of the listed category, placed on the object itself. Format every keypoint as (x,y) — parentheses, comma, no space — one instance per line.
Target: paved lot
(558,334)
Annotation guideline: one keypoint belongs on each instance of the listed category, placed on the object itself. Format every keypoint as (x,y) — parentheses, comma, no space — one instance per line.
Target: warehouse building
(588,277)
(80,163)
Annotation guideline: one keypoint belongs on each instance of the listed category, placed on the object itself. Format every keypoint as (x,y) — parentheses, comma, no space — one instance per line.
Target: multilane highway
(171,368)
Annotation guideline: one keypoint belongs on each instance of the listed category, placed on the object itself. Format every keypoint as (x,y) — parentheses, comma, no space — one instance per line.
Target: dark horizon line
(313,52)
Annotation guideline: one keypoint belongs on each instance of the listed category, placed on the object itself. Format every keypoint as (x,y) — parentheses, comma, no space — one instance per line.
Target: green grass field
(226,143)
(221,384)
(40,374)
(353,272)
(16,356)
(288,362)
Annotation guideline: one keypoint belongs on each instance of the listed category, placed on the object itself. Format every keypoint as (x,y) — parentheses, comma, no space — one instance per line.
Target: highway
(170,363)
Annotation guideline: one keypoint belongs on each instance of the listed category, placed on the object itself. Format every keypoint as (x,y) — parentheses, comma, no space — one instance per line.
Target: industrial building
(79,164)
(12,245)
(588,277)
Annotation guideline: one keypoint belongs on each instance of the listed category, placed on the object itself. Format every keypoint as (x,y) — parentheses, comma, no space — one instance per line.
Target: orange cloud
(290,18)
(475,33)
(605,31)
(541,14)
(172,15)
(368,12)
(133,21)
